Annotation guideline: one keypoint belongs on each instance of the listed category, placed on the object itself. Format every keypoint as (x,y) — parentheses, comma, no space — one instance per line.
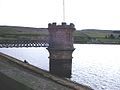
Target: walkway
(16,75)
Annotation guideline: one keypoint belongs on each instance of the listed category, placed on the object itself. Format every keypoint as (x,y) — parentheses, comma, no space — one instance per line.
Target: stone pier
(61,48)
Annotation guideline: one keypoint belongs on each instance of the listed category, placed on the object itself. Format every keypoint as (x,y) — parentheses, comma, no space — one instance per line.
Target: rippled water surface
(95,65)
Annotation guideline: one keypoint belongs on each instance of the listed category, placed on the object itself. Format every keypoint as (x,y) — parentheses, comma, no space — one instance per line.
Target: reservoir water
(93,64)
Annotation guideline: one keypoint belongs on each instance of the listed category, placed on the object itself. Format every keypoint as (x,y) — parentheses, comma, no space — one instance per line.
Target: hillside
(80,36)
(22,30)
(16,32)
(103,36)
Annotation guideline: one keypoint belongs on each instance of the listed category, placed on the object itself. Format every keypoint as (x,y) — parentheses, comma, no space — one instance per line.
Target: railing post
(61,48)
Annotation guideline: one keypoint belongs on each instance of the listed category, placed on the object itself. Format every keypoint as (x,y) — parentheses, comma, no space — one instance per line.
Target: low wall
(33,78)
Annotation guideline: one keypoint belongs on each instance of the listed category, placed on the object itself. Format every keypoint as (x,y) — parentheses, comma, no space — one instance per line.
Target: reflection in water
(61,68)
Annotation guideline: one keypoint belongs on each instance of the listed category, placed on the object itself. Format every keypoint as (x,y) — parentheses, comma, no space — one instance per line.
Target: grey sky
(99,14)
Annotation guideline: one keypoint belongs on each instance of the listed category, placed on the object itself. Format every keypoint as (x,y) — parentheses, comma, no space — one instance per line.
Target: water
(95,65)
(35,56)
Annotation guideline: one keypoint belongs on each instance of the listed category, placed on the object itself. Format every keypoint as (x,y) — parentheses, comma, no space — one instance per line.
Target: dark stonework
(61,48)
(61,68)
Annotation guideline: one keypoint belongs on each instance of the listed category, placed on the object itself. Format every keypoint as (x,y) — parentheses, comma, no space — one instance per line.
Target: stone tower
(61,48)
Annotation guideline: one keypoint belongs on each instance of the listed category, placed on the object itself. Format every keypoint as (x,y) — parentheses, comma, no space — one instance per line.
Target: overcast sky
(85,14)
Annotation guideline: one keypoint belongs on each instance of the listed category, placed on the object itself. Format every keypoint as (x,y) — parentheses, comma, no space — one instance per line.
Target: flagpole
(63,10)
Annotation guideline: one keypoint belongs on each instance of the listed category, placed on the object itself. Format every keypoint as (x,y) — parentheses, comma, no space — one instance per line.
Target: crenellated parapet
(63,25)
(61,36)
